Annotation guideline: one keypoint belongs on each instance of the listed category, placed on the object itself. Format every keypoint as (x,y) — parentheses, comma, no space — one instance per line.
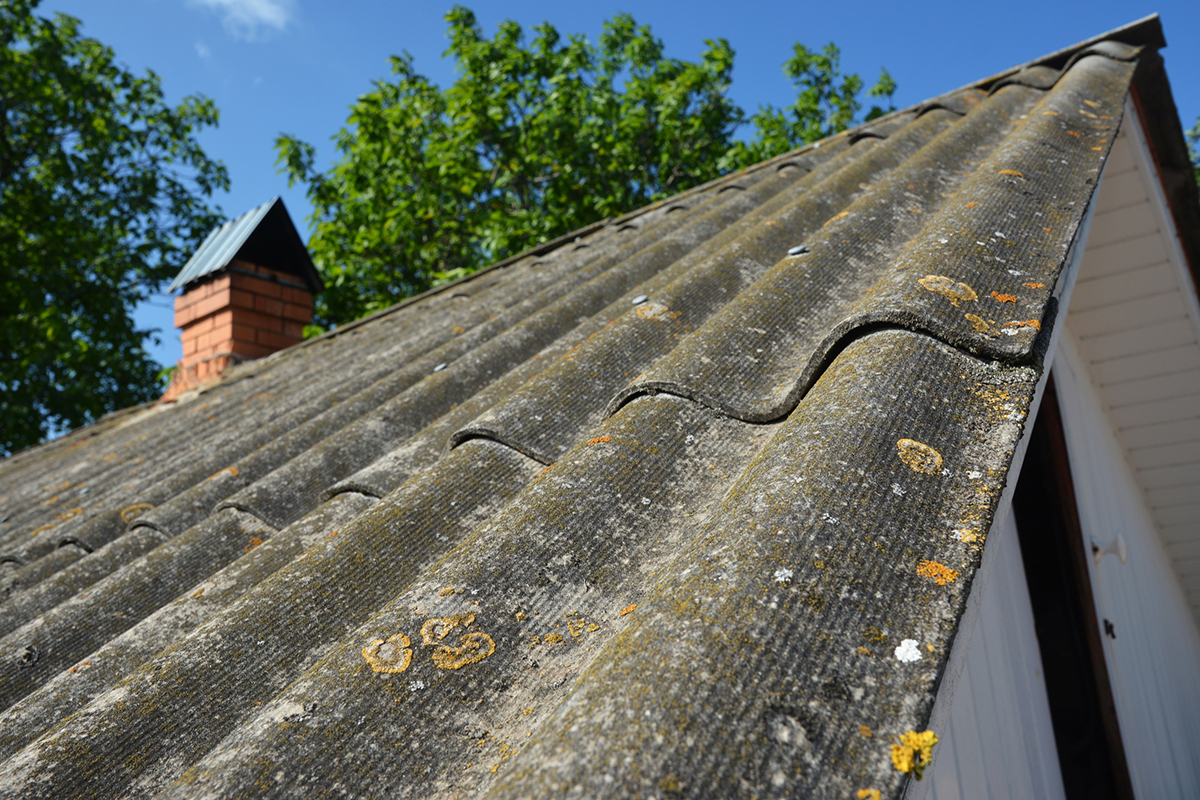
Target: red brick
(189,347)
(244,333)
(240,298)
(275,341)
(247,350)
(297,313)
(297,296)
(293,329)
(258,286)
(183,317)
(260,321)
(269,306)
(200,326)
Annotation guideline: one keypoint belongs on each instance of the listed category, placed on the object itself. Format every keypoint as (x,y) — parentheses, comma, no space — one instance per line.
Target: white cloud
(246,18)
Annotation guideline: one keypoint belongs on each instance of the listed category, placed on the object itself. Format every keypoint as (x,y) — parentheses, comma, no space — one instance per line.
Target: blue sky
(294,66)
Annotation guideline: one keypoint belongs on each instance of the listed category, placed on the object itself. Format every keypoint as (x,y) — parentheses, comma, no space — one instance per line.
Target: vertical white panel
(999,742)
(1154,661)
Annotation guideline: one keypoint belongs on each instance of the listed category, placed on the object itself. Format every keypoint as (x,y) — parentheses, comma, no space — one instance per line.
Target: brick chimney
(248,292)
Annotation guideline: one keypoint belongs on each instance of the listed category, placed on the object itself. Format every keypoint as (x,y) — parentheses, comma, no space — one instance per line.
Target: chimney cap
(264,236)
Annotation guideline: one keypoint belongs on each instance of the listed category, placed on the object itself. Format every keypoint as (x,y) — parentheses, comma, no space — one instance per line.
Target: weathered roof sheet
(639,512)
(263,235)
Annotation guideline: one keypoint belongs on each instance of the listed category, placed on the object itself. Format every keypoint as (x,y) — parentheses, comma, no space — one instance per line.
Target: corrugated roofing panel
(647,510)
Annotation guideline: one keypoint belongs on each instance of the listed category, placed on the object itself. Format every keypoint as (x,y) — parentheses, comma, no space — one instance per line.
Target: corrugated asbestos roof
(640,513)
(264,235)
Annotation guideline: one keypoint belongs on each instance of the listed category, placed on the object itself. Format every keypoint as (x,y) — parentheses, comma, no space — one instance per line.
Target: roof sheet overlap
(648,509)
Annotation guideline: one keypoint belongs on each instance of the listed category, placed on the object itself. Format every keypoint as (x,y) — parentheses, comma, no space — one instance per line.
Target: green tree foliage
(827,102)
(531,141)
(100,201)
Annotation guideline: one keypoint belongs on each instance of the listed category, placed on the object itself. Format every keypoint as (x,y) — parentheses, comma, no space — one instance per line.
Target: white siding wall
(1154,662)
(998,742)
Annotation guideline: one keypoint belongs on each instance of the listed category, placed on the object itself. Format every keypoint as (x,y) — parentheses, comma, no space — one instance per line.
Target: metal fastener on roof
(798,250)
(641,298)
(439,367)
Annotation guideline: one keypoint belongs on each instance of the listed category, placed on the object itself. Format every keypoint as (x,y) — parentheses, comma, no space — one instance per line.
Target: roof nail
(641,298)
(798,250)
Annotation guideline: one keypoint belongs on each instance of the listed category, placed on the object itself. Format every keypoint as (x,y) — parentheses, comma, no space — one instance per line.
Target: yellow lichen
(436,629)
(869,794)
(1024,323)
(980,324)
(1035,285)
(954,291)
(914,752)
(521,616)
(254,542)
(74,512)
(919,457)
(473,648)
(445,590)
(866,731)
(939,573)
(862,651)
(36,531)
(1003,298)
(1011,172)
(628,609)
(130,513)
(390,656)
(553,638)
(599,439)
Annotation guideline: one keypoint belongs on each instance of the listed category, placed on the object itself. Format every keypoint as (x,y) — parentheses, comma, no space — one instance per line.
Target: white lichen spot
(690,439)
(831,520)
(898,490)
(783,575)
(416,686)
(974,474)
(645,501)
(908,651)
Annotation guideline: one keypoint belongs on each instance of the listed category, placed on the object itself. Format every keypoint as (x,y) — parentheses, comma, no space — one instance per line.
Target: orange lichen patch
(1092,103)
(254,542)
(628,609)
(656,311)
(836,217)
(952,290)
(1024,323)
(50,502)
(1098,148)
(599,439)
(230,471)
(552,638)
(47,527)
(862,651)
(389,656)
(1011,172)
(1035,285)
(980,324)
(196,595)
(869,794)
(1003,298)
(76,668)
(74,512)
(458,329)
(543,472)
(914,752)
(866,731)
(445,590)
(472,648)
(1076,134)
(436,629)
(938,573)
(1049,113)
(919,457)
